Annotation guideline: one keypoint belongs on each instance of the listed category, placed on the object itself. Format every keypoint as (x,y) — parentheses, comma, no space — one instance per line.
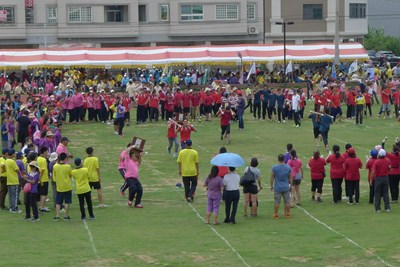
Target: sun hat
(53,157)
(34,164)
(382,153)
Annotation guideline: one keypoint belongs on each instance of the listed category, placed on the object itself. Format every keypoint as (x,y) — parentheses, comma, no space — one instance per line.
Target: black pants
(91,114)
(88,197)
(249,104)
(368,107)
(324,138)
(3,191)
(135,188)
(371,192)
(349,112)
(103,114)
(353,188)
(264,109)
(162,109)
(270,111)
(337,189)
(257,109)
(231,202)
(394,186)
(359,114)
(30,202)
(121,124)
(190,184)
(316,186)
(280,115)
(297,119)
(154,114)
(381,190)
(141,113)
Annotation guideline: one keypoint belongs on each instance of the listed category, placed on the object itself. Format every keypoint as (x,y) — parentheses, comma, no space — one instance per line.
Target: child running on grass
(82,187)
(92,164)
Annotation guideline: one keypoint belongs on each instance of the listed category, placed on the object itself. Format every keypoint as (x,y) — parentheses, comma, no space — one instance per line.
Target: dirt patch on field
(297,259)
(147,259)
(103,262)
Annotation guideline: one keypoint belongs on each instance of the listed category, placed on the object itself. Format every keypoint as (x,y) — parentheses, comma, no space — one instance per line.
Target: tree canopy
(376,39)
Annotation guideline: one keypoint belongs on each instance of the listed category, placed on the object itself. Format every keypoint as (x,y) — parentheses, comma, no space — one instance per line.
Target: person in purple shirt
(11,132)
(57,135)
(31,196)
(289,148)
(214,186)
(21,173)
(46,140)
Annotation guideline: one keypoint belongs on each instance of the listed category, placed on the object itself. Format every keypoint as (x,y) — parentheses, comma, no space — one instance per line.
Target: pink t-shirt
(121,164)
(295,165)
(131,168)
(62,149)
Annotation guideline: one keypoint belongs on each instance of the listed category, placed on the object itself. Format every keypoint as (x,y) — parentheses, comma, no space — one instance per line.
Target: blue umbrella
(228,159)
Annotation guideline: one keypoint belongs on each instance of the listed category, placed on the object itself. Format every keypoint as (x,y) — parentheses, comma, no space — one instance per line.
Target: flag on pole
(353,67)
(333,70)
(289,68)
(165,70)
(252,70)
(206,77)
(241,75)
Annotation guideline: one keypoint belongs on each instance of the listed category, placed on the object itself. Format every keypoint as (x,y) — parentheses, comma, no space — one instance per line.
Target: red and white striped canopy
(192,55)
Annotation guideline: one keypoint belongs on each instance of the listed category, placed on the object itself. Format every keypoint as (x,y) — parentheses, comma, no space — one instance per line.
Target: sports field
(171,232)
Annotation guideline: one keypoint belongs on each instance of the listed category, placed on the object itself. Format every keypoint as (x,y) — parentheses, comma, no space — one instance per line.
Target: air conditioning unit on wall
(252,30)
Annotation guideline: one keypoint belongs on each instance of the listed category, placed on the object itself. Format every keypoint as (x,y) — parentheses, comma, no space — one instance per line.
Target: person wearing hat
(12,171)
(352,166)
(371,179)
(3,178)
(30,197)
(62,176)
(188,168)
(82,187)
(380,172)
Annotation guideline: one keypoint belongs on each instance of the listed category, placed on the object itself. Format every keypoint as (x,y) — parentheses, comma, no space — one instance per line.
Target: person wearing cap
(132,163)
(92,164)
(63,148)
(62,176)
(3,178)
(188,168)
(371,179)
(12,171)
(352,166)
(32,177)
(380,172)
(43,187)
(82,188)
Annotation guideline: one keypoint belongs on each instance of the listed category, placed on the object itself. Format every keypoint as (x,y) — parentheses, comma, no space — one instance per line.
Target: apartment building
(104,23)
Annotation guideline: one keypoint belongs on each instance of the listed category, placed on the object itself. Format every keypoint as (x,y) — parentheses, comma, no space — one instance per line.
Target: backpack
(248,178)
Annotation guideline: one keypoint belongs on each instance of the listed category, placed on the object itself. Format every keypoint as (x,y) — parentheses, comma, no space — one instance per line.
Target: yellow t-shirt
(2,166)
(81,178)
(188,159)
(11,172)
(62,177)
(92,164)
(44,172)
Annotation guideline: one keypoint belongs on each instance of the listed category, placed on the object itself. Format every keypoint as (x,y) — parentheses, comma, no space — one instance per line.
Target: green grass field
(171,232)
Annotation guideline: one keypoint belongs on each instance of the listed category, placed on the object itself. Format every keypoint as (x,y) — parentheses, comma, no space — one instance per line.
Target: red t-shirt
(222,171)
(367,98)
(186,100)
(226,118)
(126,101)
(385,96)
(352,167)
(394,163)
(154,101)
(171,130)
(141,99)
(208,100)
(337,171)
(195,98)
(381,167)
(369,165)
(396,97)
(351,98)
(177,99)
(335,100)
(185,132)
(317,168)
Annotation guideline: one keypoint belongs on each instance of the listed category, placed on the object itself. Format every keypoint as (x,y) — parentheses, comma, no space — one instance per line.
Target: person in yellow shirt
(188,168)
(43,185)
(12,171)
(3,179)
(92,164)
(360,103)
(82,187)
(62,177)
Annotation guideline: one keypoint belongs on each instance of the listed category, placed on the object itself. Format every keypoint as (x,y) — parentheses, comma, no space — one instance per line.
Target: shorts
(296,181)
(186,110)
(252,189)
(115,121)
(177,109)
(43,188)
(207,109)
(95,185)
(225,129)
(64,197)
(385,107)
(285,195)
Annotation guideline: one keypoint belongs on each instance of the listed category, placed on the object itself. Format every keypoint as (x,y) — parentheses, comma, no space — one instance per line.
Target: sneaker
(168,151)
(83,218)
(101,205)
(45,209)
(67,218)
(27,218)
(129,203)
(378,211)
(350,203)
(319,200)
(287,216)
(56,219)
(388,210)
(35,220)
(276,216)
(284,121)
(175,155)
(189,199)
(92,217)
(139,206)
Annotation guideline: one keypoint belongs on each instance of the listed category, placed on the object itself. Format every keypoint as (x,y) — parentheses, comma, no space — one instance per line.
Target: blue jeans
(13,197)
(240,119)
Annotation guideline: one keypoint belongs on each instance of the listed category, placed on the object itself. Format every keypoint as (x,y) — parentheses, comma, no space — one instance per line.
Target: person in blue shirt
(271,104)
(124,81)
(257,103)
(188,79)
(265,99)
(281,182)
(325,124)
(4,132)
(280,101)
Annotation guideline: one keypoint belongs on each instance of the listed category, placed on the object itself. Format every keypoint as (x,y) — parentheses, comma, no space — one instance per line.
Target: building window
(226,12)
(251,11)
(114,13)
(79,14)
(142,13)
(6,14)
(358,11)
(52,14)
(312,12)
(164,12)
(29,15)
(192,12)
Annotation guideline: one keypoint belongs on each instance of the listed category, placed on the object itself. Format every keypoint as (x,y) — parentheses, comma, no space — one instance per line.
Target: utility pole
(284,23)
(337,28)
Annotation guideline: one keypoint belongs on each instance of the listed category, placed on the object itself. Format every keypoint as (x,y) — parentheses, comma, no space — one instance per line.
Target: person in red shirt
(385,95)
(396,101)
(172,138)
(394,173)
(352,166)
(178,102)
(153,103)
(317,171)
(226,115)
(368,98)
(380,172)
(186,103)
(208,104)
(371,179)
(141,100)
(169,106)
(163,99)
(337,173)
(336,110)
(186,129)
(351,103)
(195,103)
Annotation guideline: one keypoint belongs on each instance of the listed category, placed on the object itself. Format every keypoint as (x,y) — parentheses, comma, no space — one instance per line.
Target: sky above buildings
(385,14)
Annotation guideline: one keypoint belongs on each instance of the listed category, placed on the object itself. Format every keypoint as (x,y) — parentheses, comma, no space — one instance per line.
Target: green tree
(376,39)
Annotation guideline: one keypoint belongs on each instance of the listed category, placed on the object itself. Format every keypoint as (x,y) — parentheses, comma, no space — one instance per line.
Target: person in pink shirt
(132,163)
(97,106)
(62,148)
(90,106)
(77,110)
(49,87)
(70,106)
(122,170)
(297,174)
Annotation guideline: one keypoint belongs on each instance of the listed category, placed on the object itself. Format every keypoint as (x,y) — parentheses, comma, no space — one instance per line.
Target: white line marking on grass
(220,236)
(278,146)
(344,142)
(91,239)
(203,148)
(345,237)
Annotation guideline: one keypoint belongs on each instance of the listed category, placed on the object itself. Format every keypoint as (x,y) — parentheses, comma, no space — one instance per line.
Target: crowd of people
(36,106)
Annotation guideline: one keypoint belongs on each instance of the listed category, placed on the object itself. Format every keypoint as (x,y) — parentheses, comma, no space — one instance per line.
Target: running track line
(345,237)
(91,239)
(220,236)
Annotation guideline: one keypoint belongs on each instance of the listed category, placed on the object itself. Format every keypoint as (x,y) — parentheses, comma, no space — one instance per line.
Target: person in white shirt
(232,195)
(296,108)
